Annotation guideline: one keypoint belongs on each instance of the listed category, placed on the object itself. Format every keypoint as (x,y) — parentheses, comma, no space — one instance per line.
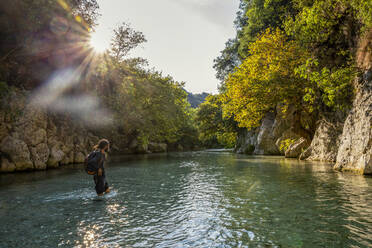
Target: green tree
(214,130)
(227,61)
(124,40)
(265,79)
(253,17)
(260,15)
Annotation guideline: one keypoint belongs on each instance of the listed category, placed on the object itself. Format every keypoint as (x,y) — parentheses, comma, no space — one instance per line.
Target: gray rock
(56,155)
(68,159)
(246,141)
(295,149)
(40,156)
(287,134)
(79,158)
(33,136)
(34,115)
(180,148)
(326,140)
(137,147)
(3,126)
(39,139)
(18,152)
(7,166)
(142,148)
(355,151)
(266,139)
(157,147)
(283,122)
(306,153)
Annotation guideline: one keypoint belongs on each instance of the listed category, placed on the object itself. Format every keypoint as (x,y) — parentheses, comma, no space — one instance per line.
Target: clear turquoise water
(199,199)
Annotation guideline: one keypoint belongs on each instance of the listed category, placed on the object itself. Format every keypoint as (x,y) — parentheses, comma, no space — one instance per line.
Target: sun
(98,42)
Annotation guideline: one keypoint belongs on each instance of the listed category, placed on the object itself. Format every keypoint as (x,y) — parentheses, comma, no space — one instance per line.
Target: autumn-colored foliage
(266,78)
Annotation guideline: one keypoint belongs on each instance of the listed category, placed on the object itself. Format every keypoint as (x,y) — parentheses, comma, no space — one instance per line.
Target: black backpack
(92,162)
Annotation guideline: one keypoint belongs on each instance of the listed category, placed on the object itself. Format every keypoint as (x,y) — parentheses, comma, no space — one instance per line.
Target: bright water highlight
(198,199)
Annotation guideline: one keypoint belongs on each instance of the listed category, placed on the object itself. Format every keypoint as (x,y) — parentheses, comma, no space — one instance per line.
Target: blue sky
(184,36)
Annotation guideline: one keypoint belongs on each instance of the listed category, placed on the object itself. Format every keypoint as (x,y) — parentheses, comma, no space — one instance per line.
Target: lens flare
(98,43)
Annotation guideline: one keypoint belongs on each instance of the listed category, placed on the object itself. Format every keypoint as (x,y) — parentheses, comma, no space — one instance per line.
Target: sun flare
(99,44)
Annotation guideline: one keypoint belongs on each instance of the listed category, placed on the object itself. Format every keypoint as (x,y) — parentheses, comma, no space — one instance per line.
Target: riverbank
(32,138)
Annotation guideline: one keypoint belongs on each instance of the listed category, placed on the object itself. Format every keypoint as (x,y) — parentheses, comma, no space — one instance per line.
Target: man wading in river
(94,165)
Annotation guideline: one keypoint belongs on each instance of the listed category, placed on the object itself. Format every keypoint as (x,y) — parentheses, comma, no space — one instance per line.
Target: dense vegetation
(297,53)
(214,130)
(41,39)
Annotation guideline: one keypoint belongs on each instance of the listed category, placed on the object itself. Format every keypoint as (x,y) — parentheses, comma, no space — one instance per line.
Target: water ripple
(192,200)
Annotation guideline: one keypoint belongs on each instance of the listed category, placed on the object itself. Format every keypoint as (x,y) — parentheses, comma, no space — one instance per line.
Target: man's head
(103,144)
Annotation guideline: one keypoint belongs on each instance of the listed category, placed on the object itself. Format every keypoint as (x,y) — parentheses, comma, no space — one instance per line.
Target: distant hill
(196,99)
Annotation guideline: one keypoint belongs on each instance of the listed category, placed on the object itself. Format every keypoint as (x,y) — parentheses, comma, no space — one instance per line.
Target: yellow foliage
(266,77)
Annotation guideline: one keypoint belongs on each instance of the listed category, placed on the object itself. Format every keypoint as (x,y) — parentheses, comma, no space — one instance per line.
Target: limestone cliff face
(345,139)
(32,139)
(342,138)
(326,141)
(246,141)
(355,151)
(267,139)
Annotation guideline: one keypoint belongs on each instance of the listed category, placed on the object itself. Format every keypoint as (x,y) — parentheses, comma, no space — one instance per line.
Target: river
(194,199)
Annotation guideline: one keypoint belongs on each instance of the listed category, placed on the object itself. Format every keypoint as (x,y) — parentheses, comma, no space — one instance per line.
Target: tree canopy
(291,52)
(44,37)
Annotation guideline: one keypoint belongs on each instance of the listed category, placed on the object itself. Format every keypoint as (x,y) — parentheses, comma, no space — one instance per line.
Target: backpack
(92,162)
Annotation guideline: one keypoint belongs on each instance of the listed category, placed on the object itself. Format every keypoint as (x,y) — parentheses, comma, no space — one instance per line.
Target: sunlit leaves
(333,85)
(213,128)
(265,79)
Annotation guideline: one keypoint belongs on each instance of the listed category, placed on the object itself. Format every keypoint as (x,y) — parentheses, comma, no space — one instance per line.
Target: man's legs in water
(101,184)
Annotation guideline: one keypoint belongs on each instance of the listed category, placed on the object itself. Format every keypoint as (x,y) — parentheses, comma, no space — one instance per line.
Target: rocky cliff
(355,151)
(345,139)
(30,139)
(326,140)
(342,138)
(271,137)
(33,139)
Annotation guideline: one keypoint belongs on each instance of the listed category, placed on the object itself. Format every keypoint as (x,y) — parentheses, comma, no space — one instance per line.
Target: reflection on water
(199,199)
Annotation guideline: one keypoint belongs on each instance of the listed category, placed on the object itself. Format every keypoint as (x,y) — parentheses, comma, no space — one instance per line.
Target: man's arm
(100,163)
